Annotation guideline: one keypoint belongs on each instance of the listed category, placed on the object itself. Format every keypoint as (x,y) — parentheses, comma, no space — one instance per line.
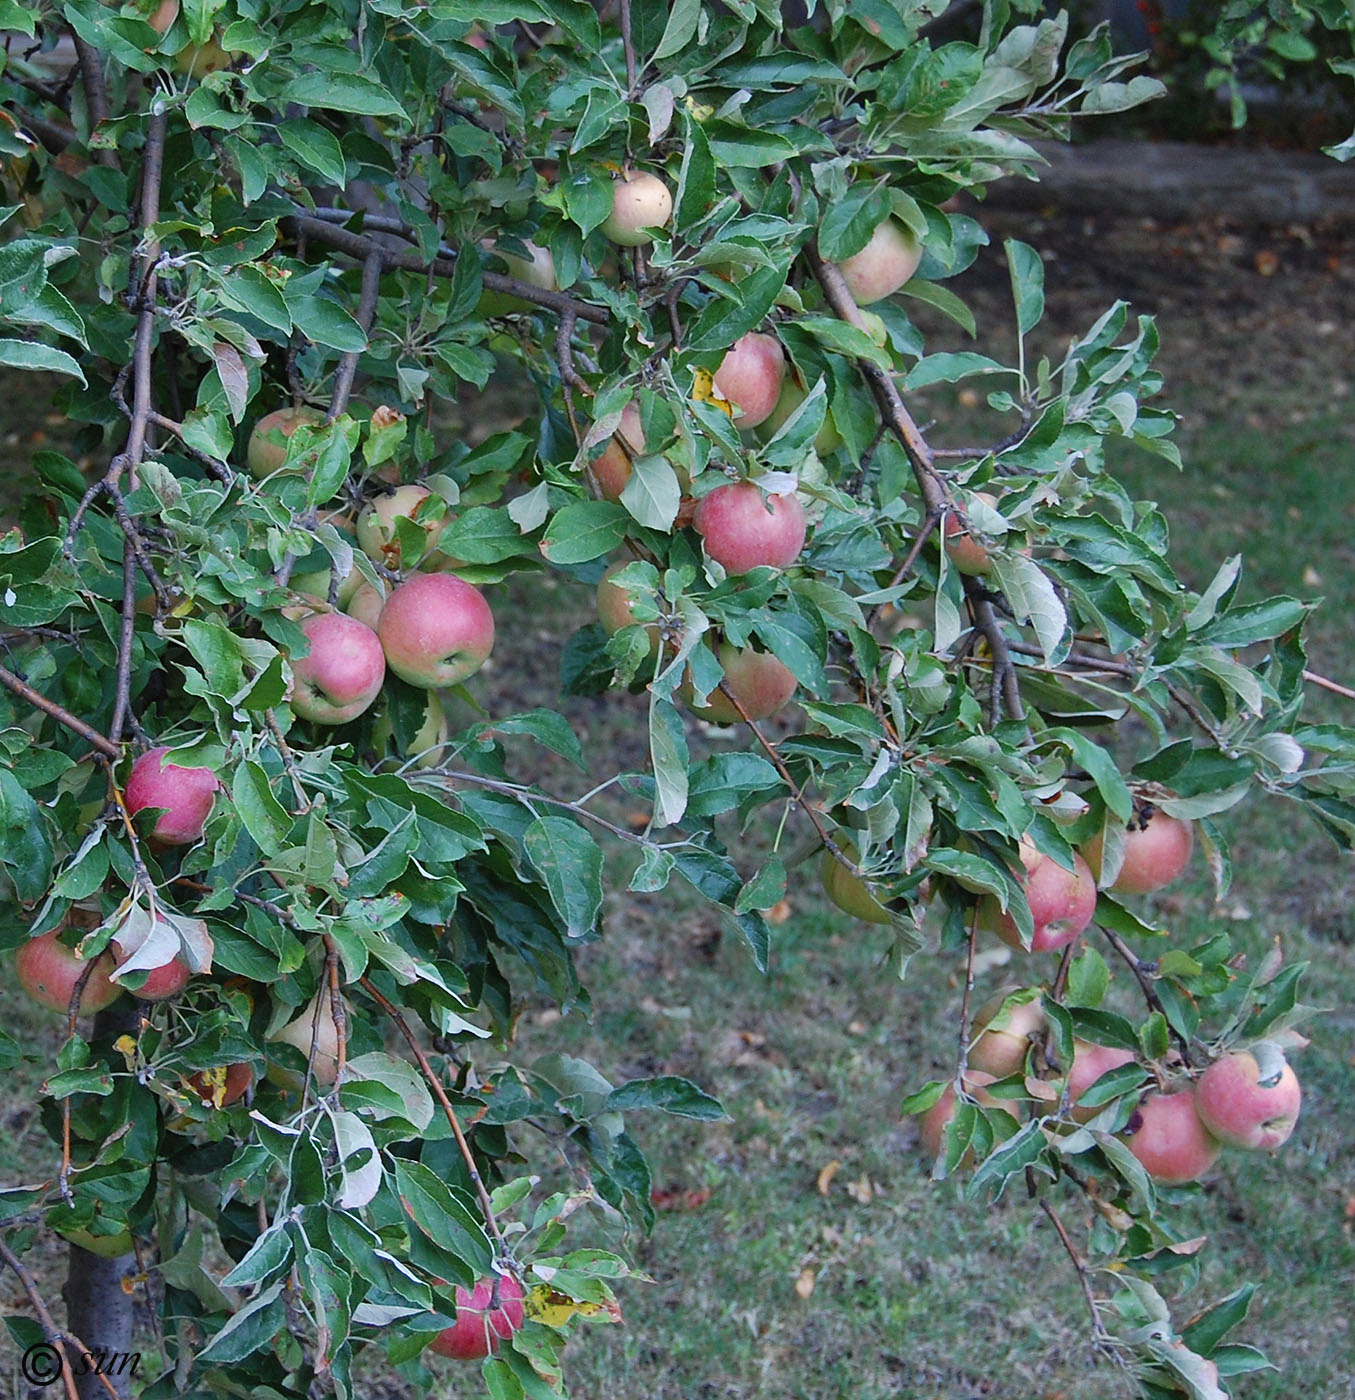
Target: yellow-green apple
(341,674)
(761,683)
(965,552)
(1156,852)
(315,584)
(743,527)
(366,603)
(436,629)
(847,889)
(888,260)
(536,270)
(1002,1035)
(792,395)
(222,1085)
(611,469)
(640,202)
(267,448)
(749,377)
(1243,1110)
(1062,901)
(197,60)
(1090,1062)
(184,795)
(376,525)
(942,1112)
(48,971)
(1167,1136)
(316,1021)
(482,1321)
(615,609)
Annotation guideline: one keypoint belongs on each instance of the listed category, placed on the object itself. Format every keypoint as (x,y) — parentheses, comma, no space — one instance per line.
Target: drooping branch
(25,692)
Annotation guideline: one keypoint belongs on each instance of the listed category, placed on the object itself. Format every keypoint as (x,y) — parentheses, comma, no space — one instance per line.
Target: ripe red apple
(222,1086)
(762,684)
(640,201)
(1166,1135)
(1001,1038)
(479,1326)
(376,524)
(965,552)
(48,971)
(267,449)
(750,377)
(1062,902)
(611,470)
(941,1113)
(367,603)
(341,674)
(1090,1062)
(887,261)
(436,629)
(162,983)
(615,609)
(1156,852)
(185,794)
(742,527)
(848,890)
(1242,1111)
(298,1033)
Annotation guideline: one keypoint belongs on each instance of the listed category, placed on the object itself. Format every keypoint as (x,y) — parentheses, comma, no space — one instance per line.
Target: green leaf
(1026,269)
(570,862)
(680,29)
(1032,599)
(668,1093)
(251,1329)
(316,148)
(652,493)
(668,753)
(324,322)
(950,367)
(28,354)
(248,290)
(342,92)
(264,817)
(584,530)
(725,319)
(444,1218)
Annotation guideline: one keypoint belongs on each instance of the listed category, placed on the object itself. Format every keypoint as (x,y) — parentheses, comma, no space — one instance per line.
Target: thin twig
(348,365)
(628,45)
(1137,966)
(54,1335)
(1102,1339)
(1329,685)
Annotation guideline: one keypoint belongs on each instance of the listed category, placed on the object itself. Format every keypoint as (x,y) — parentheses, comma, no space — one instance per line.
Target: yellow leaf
(554,1309)
(703,391)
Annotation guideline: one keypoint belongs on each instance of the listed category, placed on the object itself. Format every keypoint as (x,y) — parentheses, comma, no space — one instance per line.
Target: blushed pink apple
(267,447)
(1156,852)
(1001,1038)
(480,1325)
(162,983)
(942,1112)
(436,629)
(887,261)
(1240,1110)
(640,201)
(341,674)
(762,683)
(615,609)
(185,794)
(750,377)
(1168,1138)
(48,971)
(965,552)
(743,528)
(1090,1062)
(376,525)
(1062,902)
(222,1086)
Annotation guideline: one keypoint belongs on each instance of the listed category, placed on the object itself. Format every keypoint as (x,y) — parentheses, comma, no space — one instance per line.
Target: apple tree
(253,251)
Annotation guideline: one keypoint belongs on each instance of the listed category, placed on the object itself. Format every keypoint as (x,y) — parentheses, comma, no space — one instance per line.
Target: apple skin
(186,794)
(1168,1138)
(316,585)
(826,441)
(238,1078)
(742,528)
(1000,1049)
(964,551)
(750,377)
(478,1329)
(1090,1062)
(376,525)
(615,610)
(887,261)
(341,674)
(197,60)
(1156,853)
(267,449)
(1240,1111)
(162,983)
(611,470)
(367,604)
(298,1032)
(936,1118)
(436,629)
(847,890)
(762,683)
(48,971)
(639,202)
(538,270)
(1062,902)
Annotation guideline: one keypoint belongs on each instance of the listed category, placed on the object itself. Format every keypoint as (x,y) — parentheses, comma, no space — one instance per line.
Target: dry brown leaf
(804,1285)
(826,1175)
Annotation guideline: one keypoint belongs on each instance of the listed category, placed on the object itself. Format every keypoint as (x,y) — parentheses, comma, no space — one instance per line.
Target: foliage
(274,204)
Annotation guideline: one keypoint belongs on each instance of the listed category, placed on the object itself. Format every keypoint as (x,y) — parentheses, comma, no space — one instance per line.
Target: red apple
(480,1326)
(341,674)
(162,983)
(639,202)
(965,552)
(1167,1136)
(185,794)
(1241,1110)
(887,261)
(1002,1035)
(761,682)
(1062,902)
(48,971)
(222,1086)
(742,527)
(1090,1062)
(936,1118)
(611,470)
(750,378)
(436,629)
(267,449)
(615,609)
(1156,852)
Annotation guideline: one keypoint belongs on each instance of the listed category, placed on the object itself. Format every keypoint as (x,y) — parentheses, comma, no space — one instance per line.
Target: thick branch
(26,692)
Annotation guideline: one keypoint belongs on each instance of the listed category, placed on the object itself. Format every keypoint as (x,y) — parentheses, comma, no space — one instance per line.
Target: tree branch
(24,691)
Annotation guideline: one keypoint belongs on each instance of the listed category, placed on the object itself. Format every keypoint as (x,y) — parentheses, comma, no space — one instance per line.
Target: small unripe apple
(267,449)
(376,525)
(848,890)
(940,1114)
(1240,1110)
(743,528)
(616,611)
(315,584)
(1001,1039)
(185,793)
(538,270)
(749,377)
(222,1086)
(827,440)
(611,469)
(436,629)
(639,202)
(341,674)
(965,552)
(1156,852)
(480,1326)
(887,261)
(1168,1138)
(298,1033)
(1062,902)
(1090,1062)
(762,683)
(48,971)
